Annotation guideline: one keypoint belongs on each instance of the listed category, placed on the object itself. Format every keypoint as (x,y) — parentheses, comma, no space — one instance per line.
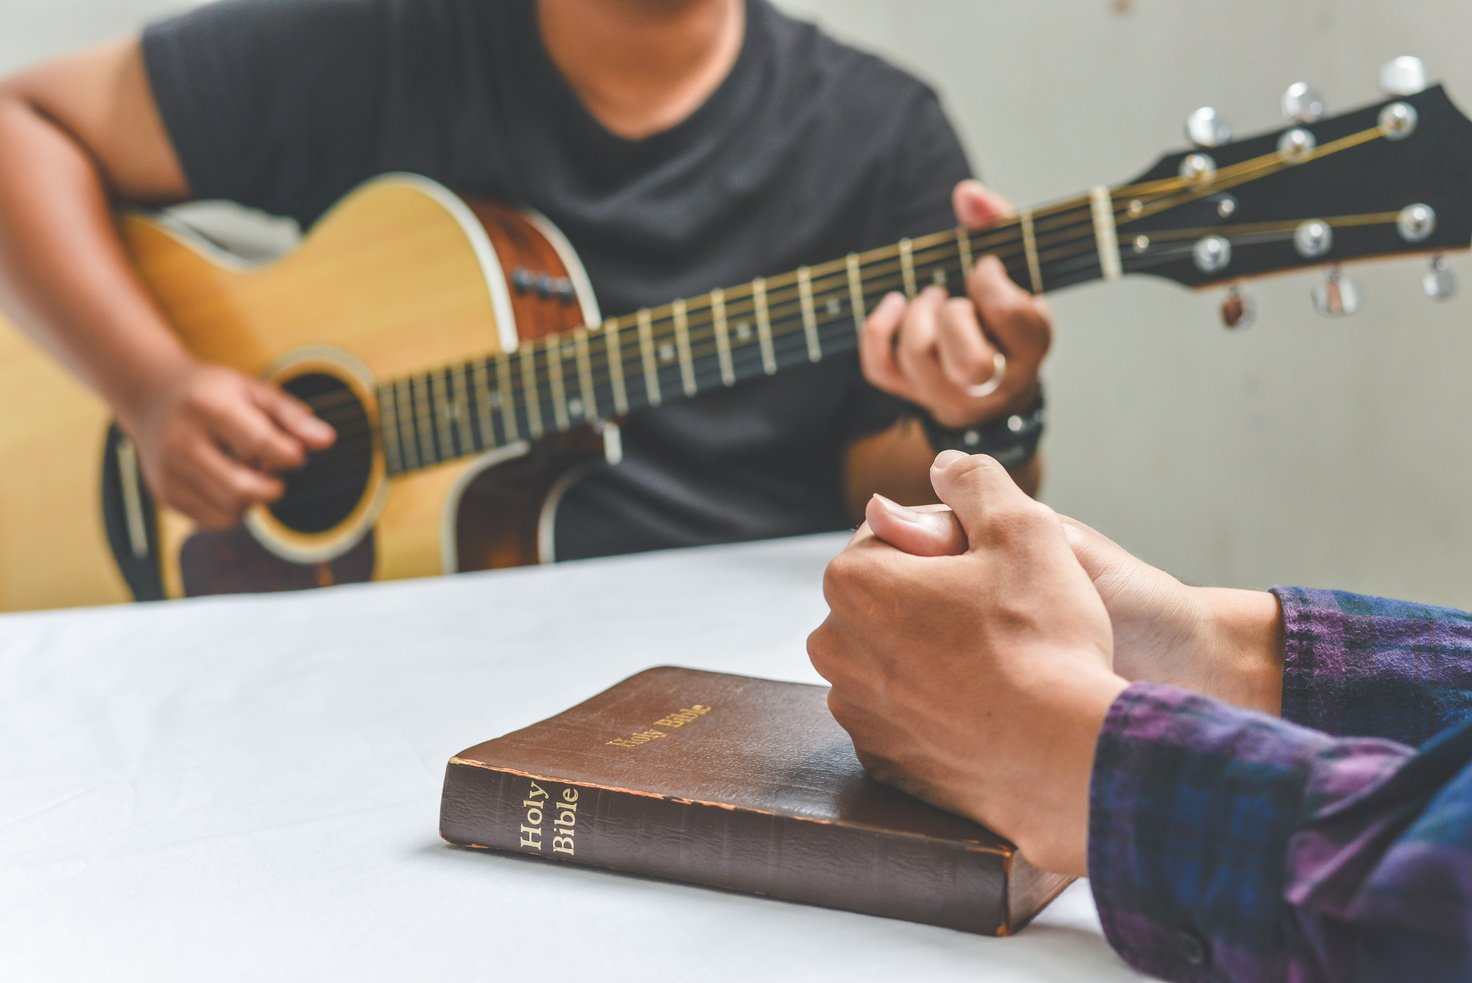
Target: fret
(425,415)
(612,335)
(856,292)
(723,338)
(444,417)
(508,405)
(646,346)
(1030,247)
(763,325)
(963,247)
(682,343)
(483,399)
(406,422)
(461,397)
(907,264)
(585,375)
(559,387)
(530,395)
(809,322)
(388,426)
(1105,234)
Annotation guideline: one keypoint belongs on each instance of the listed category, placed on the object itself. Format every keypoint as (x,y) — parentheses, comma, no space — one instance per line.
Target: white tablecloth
(249,788)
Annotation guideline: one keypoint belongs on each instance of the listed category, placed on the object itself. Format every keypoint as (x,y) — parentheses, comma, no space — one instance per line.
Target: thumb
(977,205)
(929,530)
(974,485)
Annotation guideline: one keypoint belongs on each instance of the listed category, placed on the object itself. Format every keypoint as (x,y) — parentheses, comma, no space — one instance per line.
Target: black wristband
(1012,439)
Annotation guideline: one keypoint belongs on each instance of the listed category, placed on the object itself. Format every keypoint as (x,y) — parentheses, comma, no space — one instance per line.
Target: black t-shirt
(808,150)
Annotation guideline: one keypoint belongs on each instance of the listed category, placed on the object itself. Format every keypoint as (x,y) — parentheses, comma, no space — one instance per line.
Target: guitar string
(837,273)
(632,354)
(779,313)
(1136,264)
(787,314)
(1000,233)
(785,299)
(1007,231)
(323,487)
(789,344)
(1243,173)
(711,376)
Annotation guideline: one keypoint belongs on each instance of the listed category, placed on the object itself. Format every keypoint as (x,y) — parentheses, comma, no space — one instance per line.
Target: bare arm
(80,132)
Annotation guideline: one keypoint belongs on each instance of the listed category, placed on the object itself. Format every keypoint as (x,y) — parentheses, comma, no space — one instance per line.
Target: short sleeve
(275,104)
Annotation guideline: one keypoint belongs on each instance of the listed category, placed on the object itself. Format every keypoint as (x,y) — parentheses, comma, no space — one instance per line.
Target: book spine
(837,866)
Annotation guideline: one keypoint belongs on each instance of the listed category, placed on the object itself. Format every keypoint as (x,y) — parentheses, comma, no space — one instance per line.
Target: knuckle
(242,491)
(1025,519)
(841,711)
(838,579)
(977,467)
(820,648)
(849,574)
(1007,307)
(959,311)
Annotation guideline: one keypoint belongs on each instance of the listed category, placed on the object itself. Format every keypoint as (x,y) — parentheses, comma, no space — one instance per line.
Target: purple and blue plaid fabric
(1333,844)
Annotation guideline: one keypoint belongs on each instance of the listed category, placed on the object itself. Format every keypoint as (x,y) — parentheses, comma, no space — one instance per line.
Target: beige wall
(1302,451)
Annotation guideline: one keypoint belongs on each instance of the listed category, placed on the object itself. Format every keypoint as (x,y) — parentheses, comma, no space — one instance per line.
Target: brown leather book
(737,783)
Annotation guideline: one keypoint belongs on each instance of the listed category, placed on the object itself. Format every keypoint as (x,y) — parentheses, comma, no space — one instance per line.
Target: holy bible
(737,783)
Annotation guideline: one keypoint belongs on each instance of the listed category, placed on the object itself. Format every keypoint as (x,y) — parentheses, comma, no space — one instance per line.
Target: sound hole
(322,494)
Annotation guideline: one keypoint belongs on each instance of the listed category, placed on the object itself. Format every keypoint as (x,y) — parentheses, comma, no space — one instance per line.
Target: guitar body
(399,276)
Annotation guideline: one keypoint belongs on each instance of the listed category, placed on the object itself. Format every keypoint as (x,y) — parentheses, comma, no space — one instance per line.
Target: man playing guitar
(679,144)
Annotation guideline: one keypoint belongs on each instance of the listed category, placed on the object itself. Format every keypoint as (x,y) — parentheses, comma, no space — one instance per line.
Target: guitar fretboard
(712,341)
(1183,220)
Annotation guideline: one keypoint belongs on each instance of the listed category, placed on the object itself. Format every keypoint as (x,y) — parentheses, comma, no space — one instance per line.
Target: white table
(249,788)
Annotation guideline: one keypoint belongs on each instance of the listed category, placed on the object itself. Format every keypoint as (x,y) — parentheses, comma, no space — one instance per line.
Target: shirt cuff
(1369,666)
(1191,806)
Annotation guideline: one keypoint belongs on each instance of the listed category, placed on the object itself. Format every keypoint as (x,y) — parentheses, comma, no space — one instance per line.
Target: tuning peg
(1206,128)
(1337,295)
(1238,310)
(1403,76)
(1302,102)
(1439,282)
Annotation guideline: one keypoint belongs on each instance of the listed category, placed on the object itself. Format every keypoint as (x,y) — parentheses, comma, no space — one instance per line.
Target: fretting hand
(939,352)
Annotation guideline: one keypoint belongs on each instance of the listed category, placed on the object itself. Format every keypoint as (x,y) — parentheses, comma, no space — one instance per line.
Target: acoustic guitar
(458,349)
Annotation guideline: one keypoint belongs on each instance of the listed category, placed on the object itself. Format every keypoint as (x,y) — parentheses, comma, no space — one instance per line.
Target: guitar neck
(720,339)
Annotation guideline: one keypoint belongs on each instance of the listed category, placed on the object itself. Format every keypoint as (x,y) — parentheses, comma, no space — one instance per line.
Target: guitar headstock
(1389,179)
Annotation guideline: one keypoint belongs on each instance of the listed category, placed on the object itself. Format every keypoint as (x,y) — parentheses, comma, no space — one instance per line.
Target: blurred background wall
(1303,450)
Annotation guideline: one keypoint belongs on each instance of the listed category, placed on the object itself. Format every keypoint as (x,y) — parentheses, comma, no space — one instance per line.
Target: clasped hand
(975,650)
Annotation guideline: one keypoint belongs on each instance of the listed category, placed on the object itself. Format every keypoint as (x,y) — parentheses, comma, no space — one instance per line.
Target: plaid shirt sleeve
(1229,845)
(1367,666)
